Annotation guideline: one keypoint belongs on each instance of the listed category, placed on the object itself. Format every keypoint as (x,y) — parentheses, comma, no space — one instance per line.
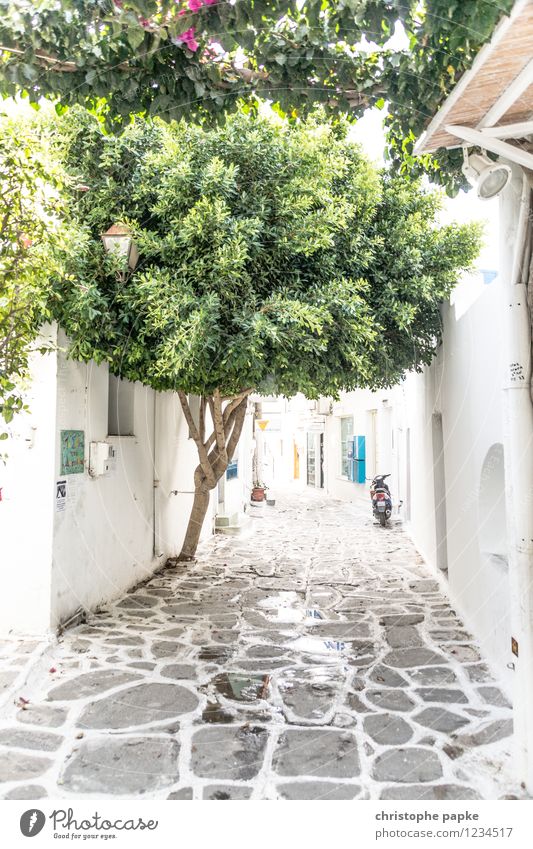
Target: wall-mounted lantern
(119,242)
(488,176)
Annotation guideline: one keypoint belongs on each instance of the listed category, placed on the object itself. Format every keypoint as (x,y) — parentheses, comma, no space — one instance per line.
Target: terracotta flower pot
(258,493)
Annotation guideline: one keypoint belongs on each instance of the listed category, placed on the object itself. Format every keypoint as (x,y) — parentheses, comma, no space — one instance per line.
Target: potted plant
(258,491)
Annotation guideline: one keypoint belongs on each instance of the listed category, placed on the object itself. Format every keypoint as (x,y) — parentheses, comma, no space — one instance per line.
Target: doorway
(311,459)
(315,459)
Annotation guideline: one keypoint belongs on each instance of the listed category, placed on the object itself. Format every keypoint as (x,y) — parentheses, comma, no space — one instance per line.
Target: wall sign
(72,444)
(61,496)
(232,471)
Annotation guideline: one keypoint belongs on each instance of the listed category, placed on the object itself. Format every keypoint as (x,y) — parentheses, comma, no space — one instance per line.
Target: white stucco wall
(26,509)
(473,422)
(461,393)
(103,541)
(385,408)
(115,529)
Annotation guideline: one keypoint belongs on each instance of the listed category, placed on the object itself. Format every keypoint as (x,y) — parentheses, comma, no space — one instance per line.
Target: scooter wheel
(382,519)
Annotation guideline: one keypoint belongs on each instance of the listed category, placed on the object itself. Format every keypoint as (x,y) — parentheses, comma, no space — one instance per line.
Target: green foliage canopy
(273,257)
(199,58)
(32,242)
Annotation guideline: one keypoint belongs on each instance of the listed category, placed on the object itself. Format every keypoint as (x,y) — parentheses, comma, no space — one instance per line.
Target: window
(346,434)
(120,407)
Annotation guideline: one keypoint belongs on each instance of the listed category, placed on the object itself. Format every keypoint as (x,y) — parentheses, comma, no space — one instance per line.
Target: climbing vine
(32,243)
(199,58)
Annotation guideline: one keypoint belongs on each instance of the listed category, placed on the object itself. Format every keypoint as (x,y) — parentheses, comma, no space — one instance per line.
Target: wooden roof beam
(465,80)
(509,96)
(501,148)
(510,131)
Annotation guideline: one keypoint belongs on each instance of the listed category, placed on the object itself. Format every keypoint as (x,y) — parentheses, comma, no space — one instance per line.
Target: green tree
(199,58)
(31,243)
(274,258)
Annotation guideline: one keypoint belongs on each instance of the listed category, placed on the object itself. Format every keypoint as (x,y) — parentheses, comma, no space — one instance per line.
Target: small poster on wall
(112,460)
(72,452)
(61,496)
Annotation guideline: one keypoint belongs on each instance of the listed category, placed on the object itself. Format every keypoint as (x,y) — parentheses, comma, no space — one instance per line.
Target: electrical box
(99,457)
(324,406)
(357,459)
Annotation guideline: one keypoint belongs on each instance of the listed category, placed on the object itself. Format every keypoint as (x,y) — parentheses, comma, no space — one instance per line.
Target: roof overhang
(492,104)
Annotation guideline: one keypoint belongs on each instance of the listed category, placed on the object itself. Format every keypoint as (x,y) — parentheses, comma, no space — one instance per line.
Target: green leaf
(136,37)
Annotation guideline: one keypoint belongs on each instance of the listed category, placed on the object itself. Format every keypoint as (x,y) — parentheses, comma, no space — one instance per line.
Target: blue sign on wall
(232,471)
(357,459)
(72,444)
(360,459)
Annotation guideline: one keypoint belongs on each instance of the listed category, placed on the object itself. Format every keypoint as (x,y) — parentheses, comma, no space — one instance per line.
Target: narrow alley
(314,657)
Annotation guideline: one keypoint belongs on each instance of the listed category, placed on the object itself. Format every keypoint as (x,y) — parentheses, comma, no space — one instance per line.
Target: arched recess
(492,515)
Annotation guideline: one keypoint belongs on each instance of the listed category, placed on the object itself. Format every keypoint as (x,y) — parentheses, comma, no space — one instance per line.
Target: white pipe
(155,483)
(518,445)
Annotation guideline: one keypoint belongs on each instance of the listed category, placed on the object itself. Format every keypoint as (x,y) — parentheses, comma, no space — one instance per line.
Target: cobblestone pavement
(315,657)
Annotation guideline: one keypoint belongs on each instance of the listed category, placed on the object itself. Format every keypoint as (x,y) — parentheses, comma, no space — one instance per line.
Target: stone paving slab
(128,766)
(315,658)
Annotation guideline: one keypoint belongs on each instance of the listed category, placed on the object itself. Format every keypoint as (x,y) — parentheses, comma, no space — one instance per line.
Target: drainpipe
(518,445)
(258,453)
(155,546)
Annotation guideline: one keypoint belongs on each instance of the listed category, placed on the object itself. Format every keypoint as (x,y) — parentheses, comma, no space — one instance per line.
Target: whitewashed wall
(461,497)
(115,529)
(472,414)
(26,509)
(103,540)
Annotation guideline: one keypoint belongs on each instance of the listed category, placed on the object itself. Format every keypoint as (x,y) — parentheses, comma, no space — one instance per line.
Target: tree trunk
(196,521)
(214,453)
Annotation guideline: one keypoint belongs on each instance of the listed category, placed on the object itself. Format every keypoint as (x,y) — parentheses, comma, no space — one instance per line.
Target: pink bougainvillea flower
(210,2)
(188,39)
(194,5)
(181,13)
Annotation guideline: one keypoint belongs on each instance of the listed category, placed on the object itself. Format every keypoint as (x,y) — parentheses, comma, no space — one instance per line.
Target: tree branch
(218,424)
(202,418)
(52,63)
(202,453)
(235,401)
(232,432)
(237,427)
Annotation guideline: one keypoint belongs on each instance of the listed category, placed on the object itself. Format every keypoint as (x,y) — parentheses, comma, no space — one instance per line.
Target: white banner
(245,824)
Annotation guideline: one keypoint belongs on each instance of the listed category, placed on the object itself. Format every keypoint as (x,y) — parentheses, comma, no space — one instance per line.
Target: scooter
(381,499)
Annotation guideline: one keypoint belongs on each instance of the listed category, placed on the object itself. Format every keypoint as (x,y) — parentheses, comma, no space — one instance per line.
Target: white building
(73,540)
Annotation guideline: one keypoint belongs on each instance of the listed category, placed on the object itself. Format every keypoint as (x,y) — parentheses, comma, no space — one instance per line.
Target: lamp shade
(118,241)
(488,176)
